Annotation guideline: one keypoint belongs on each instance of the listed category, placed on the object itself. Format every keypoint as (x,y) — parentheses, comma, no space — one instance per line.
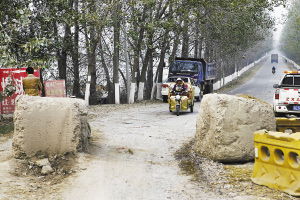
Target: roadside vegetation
(75,38)
(226,180)
(6,126)
(290,37)
(246,76)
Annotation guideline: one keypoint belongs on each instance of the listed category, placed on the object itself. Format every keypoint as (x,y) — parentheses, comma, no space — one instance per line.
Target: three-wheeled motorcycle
(180,101)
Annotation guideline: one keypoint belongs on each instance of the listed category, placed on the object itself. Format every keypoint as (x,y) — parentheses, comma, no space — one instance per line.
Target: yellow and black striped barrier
(277,162)
(283,124)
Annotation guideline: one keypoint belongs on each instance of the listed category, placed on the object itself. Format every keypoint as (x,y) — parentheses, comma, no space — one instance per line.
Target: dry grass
(246,76)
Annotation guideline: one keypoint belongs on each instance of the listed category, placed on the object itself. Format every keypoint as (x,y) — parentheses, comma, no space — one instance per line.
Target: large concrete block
(50,126)
(226,125)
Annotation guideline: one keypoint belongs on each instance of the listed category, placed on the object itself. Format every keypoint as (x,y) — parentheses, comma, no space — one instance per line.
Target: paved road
(261,85)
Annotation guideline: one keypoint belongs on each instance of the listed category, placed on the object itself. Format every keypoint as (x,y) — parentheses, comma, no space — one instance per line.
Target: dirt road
(134,148)
(132,156)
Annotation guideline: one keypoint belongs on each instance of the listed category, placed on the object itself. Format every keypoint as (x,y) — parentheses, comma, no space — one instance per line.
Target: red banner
(56,88)
(14,75)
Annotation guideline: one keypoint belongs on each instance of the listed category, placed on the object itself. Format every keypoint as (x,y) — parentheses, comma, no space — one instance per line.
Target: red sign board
(56,88)
(16,75)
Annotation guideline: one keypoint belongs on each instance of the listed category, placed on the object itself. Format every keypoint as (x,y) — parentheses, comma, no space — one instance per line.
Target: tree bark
(75,56)
(109,86)
(91,52)
(160,68)
(175,46)
(185,40)
(116,21)
(137,50)
(143,74)
(149,83)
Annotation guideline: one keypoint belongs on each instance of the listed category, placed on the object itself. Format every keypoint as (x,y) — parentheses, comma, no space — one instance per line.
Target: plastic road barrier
(277,162)
(283,124)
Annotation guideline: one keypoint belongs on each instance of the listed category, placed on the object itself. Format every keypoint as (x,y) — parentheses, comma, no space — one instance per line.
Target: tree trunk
(64,54)
(154,86)
(160,69)
(92,74)
(42,81)
(109,86)
(137,50)
(200,47)
(91,52)
(75,57)
(61,55)
(116,21)
(196,42)
(149,83)
(143,74)
(185,40)
(175,48)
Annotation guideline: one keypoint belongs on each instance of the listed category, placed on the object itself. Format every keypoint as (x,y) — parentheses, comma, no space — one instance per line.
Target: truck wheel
(177,109)
(192,108)
(165,98)
(206,89)
(211,87)
(198,97)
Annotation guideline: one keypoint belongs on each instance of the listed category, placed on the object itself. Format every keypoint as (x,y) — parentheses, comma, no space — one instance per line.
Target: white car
(287,95)
(171,81)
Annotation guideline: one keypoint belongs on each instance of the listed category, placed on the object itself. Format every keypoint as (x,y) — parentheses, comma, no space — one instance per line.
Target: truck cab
(199,70)
(274,58)
(287,95)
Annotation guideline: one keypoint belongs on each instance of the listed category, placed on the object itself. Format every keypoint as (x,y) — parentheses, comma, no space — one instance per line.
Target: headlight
(178,97)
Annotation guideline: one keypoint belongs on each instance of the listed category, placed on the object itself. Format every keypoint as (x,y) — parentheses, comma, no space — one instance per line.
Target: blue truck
(274,58)
(202,72)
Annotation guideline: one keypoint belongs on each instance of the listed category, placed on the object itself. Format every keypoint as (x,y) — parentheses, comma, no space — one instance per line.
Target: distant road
(261,85)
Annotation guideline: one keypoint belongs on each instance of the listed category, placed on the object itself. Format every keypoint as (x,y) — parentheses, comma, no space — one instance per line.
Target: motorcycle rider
(273,69)
(179,86)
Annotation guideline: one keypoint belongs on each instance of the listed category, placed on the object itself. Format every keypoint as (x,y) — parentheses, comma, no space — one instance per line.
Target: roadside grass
(246,76)
(6,126)
(226,180)
(231,178)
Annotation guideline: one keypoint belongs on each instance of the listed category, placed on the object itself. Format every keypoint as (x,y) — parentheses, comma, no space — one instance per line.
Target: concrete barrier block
(50,126)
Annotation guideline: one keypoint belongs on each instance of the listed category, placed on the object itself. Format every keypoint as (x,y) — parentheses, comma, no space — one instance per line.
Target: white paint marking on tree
(158,91)
(87,94)
(117,93)
(141,91)
(132,92)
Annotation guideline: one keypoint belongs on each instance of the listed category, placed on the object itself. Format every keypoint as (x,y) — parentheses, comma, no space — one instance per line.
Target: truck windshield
(184,67)
(291,80)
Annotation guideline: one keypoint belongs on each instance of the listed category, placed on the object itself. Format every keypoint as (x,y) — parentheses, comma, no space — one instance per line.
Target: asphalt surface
(261,85)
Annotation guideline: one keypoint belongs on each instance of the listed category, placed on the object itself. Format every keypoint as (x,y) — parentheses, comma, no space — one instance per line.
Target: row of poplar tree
(290,36)
(103,38)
